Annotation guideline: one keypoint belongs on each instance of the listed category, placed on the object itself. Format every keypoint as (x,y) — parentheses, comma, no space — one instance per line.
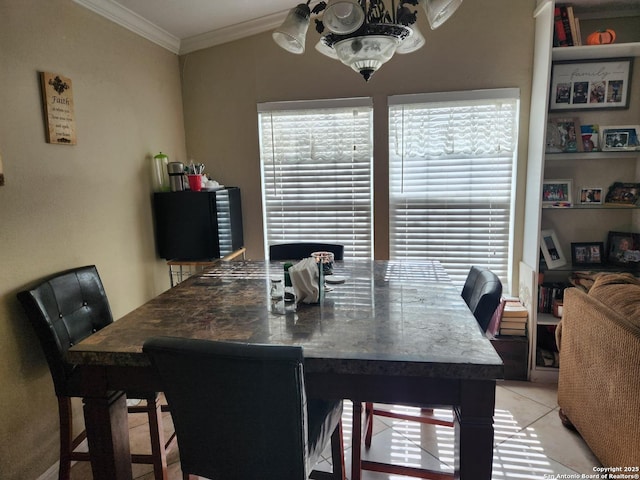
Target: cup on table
(195,182)
(326,259)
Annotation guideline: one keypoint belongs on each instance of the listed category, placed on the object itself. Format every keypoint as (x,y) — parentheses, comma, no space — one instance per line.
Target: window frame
(471,96)
(353,246)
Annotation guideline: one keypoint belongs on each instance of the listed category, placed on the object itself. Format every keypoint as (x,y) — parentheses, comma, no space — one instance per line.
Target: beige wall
(486,44)
(66,206)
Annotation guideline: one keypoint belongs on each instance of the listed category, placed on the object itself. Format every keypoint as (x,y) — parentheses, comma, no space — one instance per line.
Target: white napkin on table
(305,280)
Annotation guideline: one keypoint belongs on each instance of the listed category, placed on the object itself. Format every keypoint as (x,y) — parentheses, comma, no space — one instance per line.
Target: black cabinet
(198,225)
(514,352)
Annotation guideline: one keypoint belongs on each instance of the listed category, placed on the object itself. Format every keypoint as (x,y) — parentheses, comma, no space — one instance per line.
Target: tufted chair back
(298,251)
(482,292)
(240,410)
(64,310)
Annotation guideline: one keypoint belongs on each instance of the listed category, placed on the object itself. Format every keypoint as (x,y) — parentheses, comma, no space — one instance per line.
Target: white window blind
(451,174)
(316,161)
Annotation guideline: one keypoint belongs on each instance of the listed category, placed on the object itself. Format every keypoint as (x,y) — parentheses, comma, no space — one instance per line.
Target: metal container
(176,176)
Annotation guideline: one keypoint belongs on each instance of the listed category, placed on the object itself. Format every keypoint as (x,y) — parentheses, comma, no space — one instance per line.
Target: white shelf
(600,206)
(592,155)
(547,319)
(589,52)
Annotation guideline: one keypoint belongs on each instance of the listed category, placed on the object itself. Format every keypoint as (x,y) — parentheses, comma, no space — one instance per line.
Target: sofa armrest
(599,377)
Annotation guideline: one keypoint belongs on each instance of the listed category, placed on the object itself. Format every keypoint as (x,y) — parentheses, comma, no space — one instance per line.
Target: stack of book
(566,31)
(509,319)
(547,293)
(513,321)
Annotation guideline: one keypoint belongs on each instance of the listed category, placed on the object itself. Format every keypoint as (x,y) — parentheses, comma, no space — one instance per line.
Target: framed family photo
(564,135)
(557,193)
(551,251)
(590,84)
(587,254)
(620,137)
(591,195)
(623,249)
(623,194)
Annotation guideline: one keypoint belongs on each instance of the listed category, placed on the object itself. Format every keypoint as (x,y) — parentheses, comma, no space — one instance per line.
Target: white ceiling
(183,26)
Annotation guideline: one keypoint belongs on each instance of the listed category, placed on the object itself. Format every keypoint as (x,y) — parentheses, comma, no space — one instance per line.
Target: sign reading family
(590,84)
(57,97)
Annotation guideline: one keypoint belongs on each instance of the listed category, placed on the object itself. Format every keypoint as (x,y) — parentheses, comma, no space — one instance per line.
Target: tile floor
(530,441)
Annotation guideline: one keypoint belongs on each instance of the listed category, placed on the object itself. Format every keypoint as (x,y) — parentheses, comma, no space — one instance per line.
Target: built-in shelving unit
(578,223)
(587,52)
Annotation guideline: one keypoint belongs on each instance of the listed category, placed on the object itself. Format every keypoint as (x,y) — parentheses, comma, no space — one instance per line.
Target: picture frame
(551,251)
(591,195)
(620,138)
(590,137)
(587,254)
(623,194)
(590,84)
(623,249)
(557,193)
(564,135)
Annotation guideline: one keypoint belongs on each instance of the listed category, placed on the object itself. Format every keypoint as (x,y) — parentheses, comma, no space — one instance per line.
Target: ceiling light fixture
(362,34)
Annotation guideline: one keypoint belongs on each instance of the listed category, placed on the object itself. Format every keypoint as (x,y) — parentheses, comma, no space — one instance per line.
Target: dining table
(394,332)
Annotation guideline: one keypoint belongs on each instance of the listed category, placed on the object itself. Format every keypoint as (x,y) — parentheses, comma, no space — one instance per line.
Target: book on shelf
(514,309)
(564,15)
(566,27)
(578,37)
(559,35)
(509,319)
(547,293)
(520,322)
(573,26)
(514,319)
(513,332)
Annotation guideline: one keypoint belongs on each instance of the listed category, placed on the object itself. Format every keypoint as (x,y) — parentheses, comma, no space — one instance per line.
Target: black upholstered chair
(481,292)
(241,412)
(298,251)
(64,310)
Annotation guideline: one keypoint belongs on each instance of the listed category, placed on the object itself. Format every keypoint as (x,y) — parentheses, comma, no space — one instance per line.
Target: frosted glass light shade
(326,50)
(413,42)
(366,54)
(343,16)
(439,11)
(291,34)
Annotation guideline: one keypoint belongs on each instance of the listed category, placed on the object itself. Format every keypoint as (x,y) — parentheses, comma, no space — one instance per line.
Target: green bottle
(160,173)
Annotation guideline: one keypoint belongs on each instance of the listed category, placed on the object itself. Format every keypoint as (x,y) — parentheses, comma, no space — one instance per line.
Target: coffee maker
(176,176)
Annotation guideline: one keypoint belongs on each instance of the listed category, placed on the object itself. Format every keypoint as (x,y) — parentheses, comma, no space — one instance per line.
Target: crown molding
(133,22)
(139,25)
(231,33)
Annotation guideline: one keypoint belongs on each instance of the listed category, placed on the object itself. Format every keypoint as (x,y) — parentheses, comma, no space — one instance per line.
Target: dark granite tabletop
(388,317)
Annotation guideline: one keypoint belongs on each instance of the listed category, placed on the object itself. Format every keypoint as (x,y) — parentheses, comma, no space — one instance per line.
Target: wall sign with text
(57,97)
(590,84)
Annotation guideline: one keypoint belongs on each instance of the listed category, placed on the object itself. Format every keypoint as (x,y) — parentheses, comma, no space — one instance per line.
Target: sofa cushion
(620,292)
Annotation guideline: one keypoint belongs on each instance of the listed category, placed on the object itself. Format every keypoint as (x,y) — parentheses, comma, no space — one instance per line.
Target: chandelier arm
(320,6)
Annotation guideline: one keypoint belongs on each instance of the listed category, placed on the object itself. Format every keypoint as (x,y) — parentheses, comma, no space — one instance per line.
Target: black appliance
(198,225)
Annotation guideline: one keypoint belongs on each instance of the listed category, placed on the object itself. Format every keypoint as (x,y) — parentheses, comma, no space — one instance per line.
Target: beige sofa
(599,382)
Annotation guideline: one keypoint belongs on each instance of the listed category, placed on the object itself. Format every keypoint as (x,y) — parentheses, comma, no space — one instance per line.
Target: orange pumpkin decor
(601,37)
